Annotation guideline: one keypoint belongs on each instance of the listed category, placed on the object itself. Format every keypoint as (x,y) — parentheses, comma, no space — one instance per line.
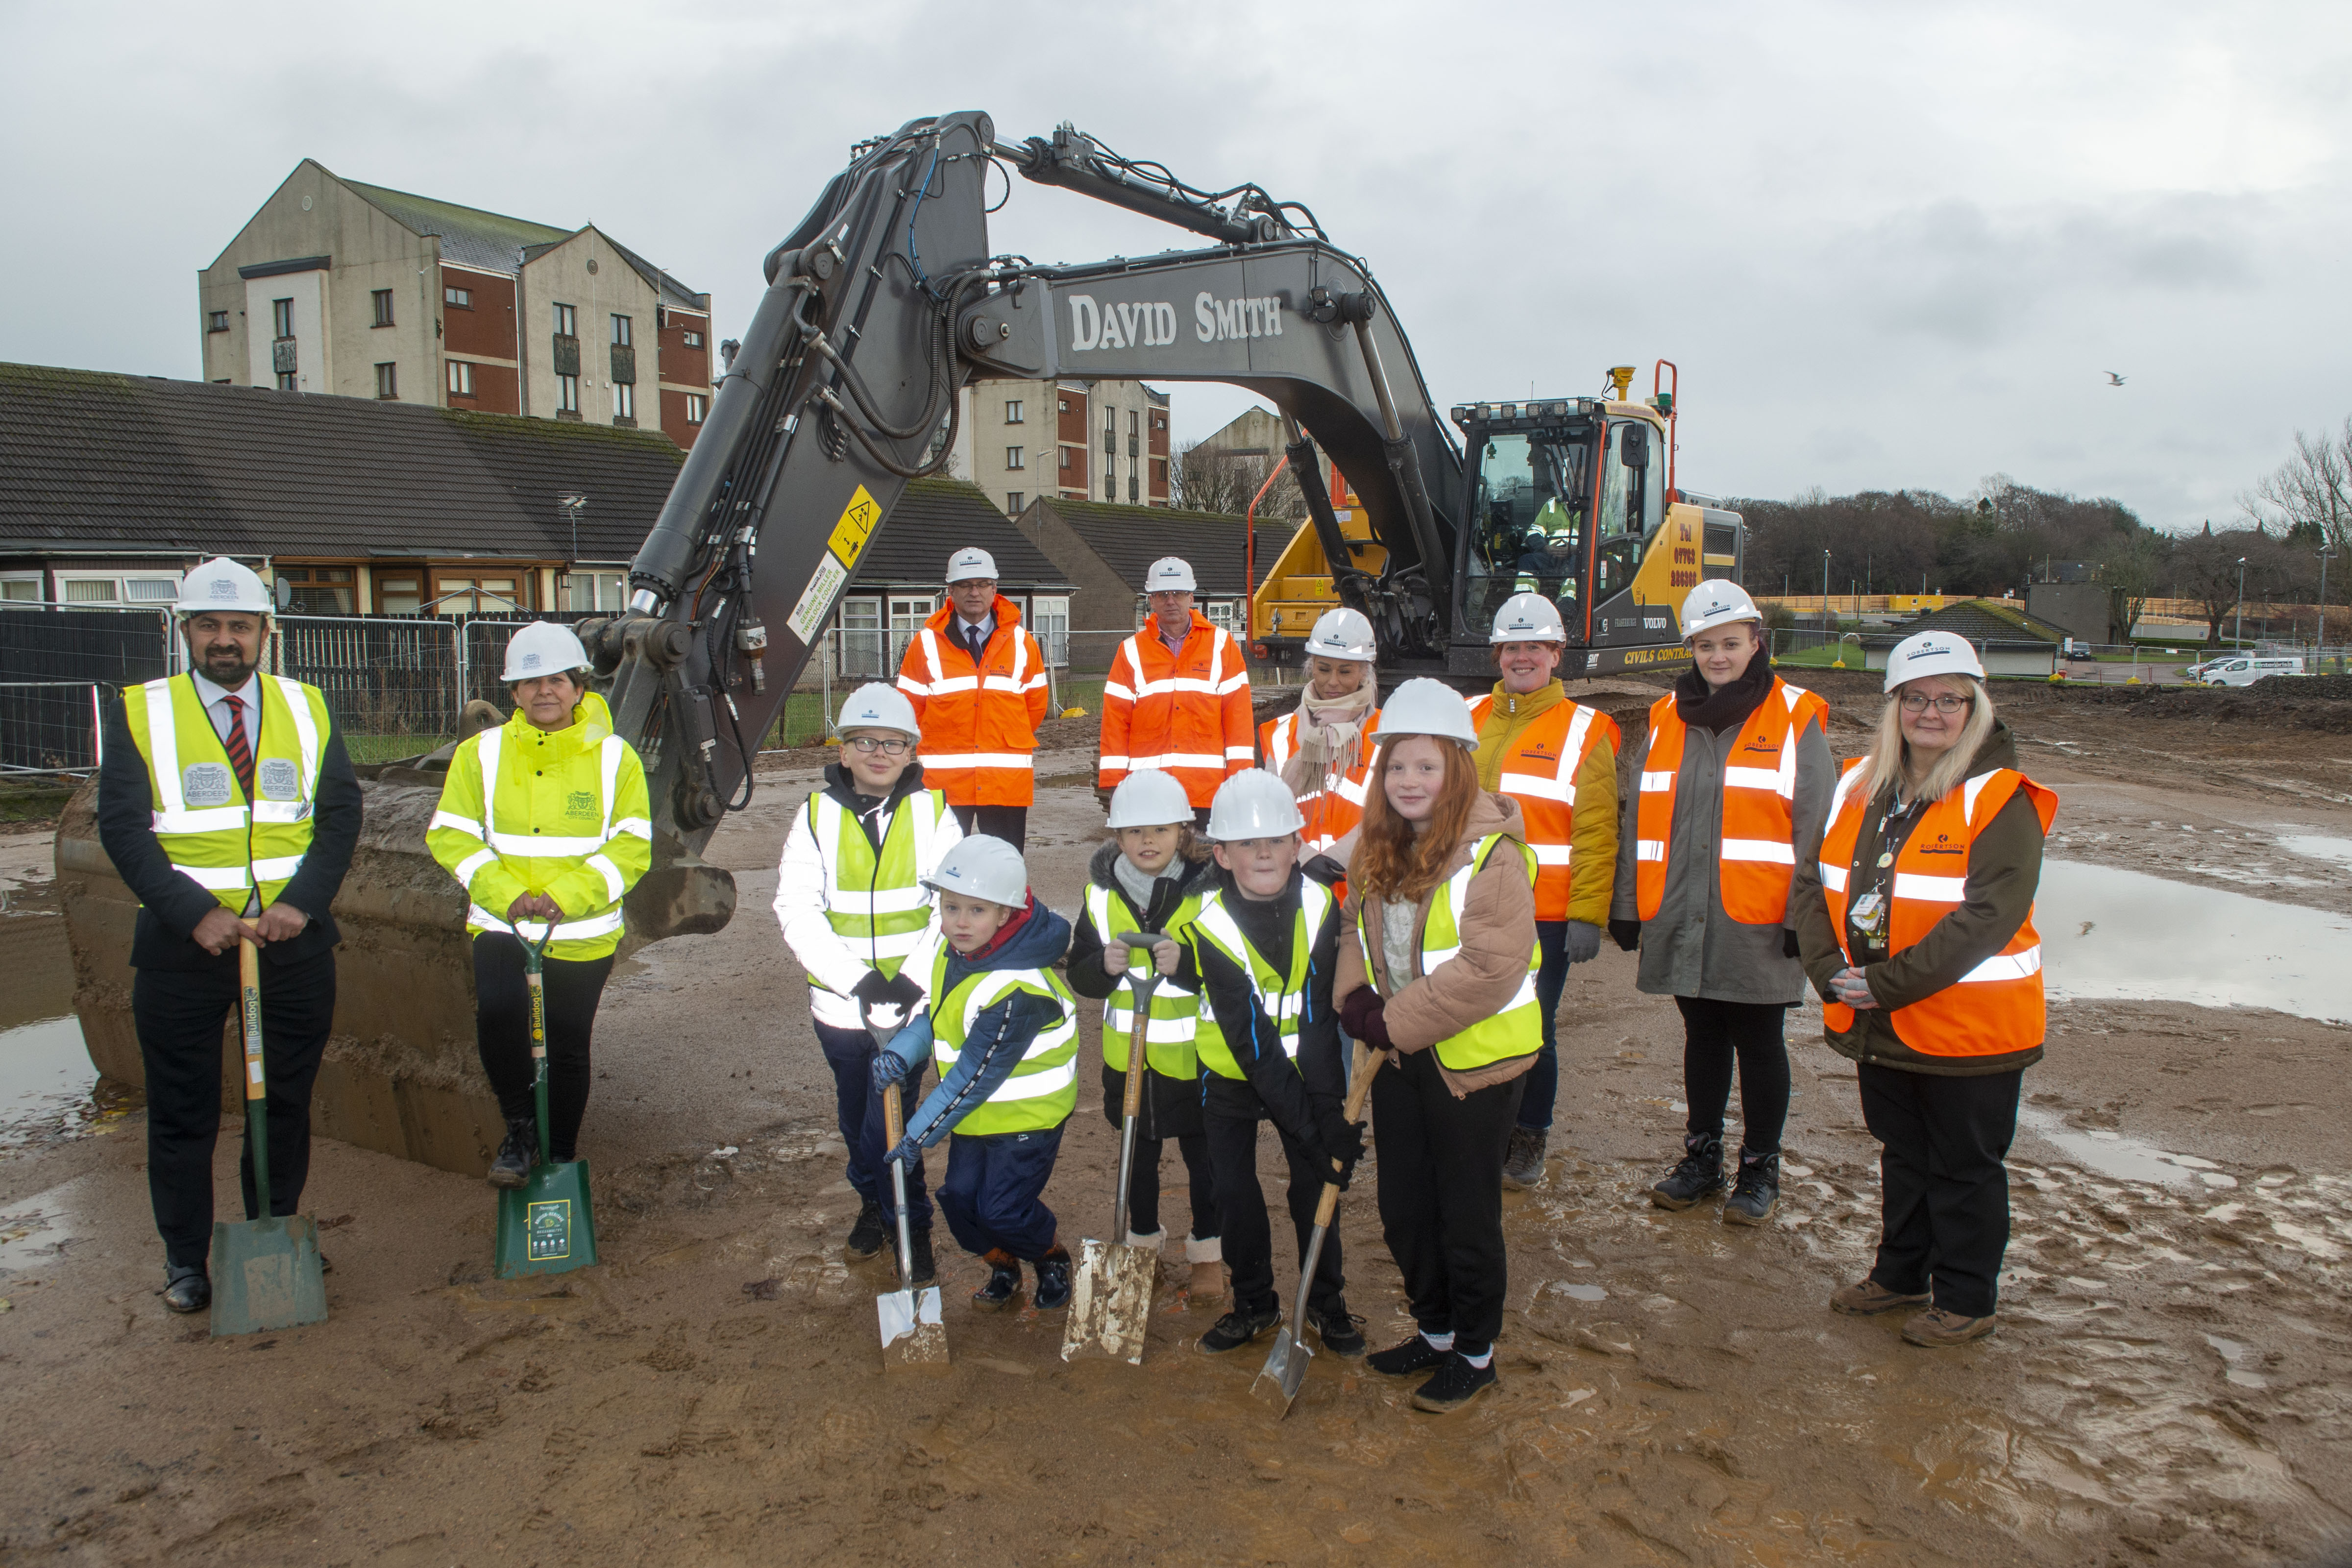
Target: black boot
(1053,1292)
(1700,1173)
(1757,1190)
(1457,1383)
(1003,1285)
(186,1287)
(514,1156)
(1415,1354)
(866,1235)
(1523,1161)
(1239,1327)
(1341,1332)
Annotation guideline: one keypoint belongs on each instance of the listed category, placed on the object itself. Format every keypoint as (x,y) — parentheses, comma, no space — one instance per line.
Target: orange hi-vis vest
(1336,804)
(1539,772)
(1993,1009)
(980,721)
(1186,714)
(1759,841)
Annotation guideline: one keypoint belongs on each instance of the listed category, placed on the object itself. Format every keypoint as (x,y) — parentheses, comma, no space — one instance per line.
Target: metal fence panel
(120,647)
(50,726)
(391,682)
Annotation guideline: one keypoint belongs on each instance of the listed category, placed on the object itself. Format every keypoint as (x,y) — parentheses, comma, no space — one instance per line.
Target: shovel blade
(1285,1370)
(547,1225)
(1110,1302)
(266,1275)
(912,1333)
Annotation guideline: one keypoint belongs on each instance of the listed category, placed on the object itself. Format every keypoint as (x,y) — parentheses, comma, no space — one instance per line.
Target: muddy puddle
(47,1086)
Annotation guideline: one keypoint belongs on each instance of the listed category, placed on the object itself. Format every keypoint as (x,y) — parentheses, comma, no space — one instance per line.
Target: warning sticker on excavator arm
(856,526)
(817,599)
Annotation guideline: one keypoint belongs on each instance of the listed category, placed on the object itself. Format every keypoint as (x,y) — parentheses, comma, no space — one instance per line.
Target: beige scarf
(1331,736)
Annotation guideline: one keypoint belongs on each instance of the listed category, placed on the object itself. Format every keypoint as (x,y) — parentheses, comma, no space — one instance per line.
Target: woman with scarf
(1324,750)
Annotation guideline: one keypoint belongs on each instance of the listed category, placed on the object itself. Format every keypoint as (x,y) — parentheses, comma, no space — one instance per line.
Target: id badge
(1868,916)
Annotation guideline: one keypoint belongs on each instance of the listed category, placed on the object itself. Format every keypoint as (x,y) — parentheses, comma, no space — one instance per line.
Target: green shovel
(547,1225)
(266,1271)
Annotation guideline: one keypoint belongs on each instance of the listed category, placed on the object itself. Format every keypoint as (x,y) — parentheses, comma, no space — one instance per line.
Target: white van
(2246,671)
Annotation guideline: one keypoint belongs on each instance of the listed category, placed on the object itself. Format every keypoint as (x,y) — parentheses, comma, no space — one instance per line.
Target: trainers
(925,1272)
(1004,1282)
(186,1289)
(1457,1383)
(1340,1331)
(1239,1327)
(1523,1162)
(1757,1191)
(1700,1173)
(1415,1354)
(1870,1298)
(866,1238)
(1053,1292)
(513,1166)
(1939,1329)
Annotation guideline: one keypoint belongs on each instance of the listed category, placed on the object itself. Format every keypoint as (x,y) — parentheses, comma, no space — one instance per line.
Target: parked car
(2246,671)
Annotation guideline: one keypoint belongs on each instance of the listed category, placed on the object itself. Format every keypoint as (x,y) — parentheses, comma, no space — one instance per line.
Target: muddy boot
(866,1235)
(1053,1292)
(1870,1298)
(1939,1329)
(1239,1327)
(1341,1332)
(918,1242)
(1700,1173)
(1757,1189)
(1415,1354)
(1523,1162)
(1004,1281)
(1457,1383)
(1208,1261)
(513,1163)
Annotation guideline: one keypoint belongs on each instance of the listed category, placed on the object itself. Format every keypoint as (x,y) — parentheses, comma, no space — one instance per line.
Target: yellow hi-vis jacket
(201,815)
(562,813)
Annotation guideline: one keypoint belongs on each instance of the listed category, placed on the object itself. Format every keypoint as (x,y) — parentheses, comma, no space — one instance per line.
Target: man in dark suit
(229,808)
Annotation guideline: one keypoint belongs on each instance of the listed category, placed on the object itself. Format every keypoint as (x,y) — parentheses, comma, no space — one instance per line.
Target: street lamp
(2237,632)
(1826,588)
(573,503)
(2327,554)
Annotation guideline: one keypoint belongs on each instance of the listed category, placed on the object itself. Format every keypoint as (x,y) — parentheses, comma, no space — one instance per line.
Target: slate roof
(1979,621)
(145,465)
(935,519)
(1130,538)
(502,244)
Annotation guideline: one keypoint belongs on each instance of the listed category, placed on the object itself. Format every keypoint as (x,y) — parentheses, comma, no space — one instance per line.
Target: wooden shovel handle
(248,977)
(1359,1088)
(893,1124)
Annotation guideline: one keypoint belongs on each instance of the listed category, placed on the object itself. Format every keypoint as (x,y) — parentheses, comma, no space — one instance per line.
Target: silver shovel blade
(1285,1370)
(1110,1302)
(912,1333)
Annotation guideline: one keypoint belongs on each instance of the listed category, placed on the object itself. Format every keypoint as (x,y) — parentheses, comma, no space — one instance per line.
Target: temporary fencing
(50,726)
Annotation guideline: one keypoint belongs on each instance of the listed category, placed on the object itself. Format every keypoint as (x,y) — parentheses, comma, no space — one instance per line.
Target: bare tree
(2309,496)
(2131,565)
(1213,479)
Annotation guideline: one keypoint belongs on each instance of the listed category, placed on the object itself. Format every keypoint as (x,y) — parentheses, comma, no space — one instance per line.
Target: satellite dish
(283,592)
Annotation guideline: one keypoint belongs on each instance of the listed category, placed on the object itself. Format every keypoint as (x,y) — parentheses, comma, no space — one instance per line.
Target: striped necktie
(240,749)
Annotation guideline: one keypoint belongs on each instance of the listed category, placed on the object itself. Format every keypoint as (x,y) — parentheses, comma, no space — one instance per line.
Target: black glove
(1365,1017)
(875,989)
(1343,1141)
(1788,948)
(1627,933)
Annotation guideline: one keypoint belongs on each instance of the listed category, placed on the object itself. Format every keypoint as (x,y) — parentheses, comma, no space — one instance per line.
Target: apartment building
(338,287)
(1073,438)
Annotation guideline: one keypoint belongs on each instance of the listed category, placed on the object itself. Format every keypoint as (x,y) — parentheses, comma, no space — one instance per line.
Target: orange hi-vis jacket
(980,721)
(1758,844)
(1993,1009)
(1185,713)
(1539,772)
(1337,804)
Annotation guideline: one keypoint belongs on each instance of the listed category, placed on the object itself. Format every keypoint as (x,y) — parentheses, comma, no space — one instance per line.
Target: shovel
(912,1334)
(1111,1299)
(266,1271)
(1286,1364)
(547,1224)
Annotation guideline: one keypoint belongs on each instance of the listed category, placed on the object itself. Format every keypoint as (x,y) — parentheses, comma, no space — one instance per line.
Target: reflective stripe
(1113,689)
(1110,761)
(636,826)
(1932,890)
(1019,760)
(213,878)
(276,868)
(163,737)
(2022,964)
(1833,877)
(211,819)
(547,845)
(614,886)
(1658,784)
(1550,853)
(466,825)
(473,863)
(306,733)
(1971,789)
(1163,1031)
(1537,785)
(1240,753)
(1759,849)
(1752,778)
(531,930)
(882,901)
(1033,1085)
(1649,849)
(1166,760)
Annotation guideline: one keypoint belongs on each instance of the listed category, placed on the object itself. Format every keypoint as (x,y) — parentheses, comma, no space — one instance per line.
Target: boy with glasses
(854,902)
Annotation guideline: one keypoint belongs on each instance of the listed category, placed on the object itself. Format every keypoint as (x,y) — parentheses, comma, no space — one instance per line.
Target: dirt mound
(2321,702)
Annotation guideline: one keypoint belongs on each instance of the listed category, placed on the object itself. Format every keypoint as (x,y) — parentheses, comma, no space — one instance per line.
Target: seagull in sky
(2113,379)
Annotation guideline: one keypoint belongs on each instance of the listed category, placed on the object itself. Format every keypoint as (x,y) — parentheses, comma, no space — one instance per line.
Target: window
(859,652)
(286,382)
(145,590)
(1110,486)
(595,590)
(1013,501)
(1065,456)
(1130,484)
(1049,621)
(476,595)
(567,322)
(625,401)
(1013,457)
(281,318)
(1159,421)
(1220,613)
(567,395)
(1134,435)
(217,321)
(692,340)
(907,618)
(382,298)
(461,379)
(1013,411)
(318,590)
(1158,473)
(697,405)
(459,299)
(1062,405)
(387,380)
(621,338)
(398,593)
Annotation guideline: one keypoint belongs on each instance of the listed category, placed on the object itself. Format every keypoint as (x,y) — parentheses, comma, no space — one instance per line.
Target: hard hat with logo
(1169,574)
(1253,803)
(968,563)
(1426,707)
(1148,799)
(1343,634)
(1932,653)
(1524,618)
(540,648)
(1716,603)
(222,586)
(875,706)
(982,868)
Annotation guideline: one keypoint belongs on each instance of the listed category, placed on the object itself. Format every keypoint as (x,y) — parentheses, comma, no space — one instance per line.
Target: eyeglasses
(868,745)
(1945,703)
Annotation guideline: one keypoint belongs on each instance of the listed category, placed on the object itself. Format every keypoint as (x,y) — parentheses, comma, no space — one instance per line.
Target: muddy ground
(2170,1384)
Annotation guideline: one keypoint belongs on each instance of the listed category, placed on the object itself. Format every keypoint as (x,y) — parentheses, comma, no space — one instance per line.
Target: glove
(908,1153)
(1343,1141)
(1583,942)
(1627,933)
(875,988)
(888,1068)
(1788,948)
(1365,1017)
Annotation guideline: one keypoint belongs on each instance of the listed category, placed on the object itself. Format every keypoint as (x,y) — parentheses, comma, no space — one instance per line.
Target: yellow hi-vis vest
(1516,1028)
(1282,997)
(1179,1018)
(201,816)
(1044,1087)
(877,903)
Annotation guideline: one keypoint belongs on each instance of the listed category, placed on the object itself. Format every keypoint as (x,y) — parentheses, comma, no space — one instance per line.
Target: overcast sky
(1890,246)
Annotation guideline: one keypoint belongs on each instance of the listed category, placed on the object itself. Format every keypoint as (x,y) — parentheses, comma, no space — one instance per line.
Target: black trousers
(502,1032)
(1242,1214)
(1441,1174)
(857,1112)
(1551,978)
(1715,1033)
(1009,822)
(178,1014)
(1143,1186)
(1945,1190)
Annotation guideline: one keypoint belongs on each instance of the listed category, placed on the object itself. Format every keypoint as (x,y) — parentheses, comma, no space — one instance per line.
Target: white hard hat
(968,563)
(1343,634)
(1253,803)
(1716,603)
(1932,653)
(1168,575)
(543,647)
(985,869)
(221,585)
(875,706)
(1426,707)
(1148,799)
(1528,617)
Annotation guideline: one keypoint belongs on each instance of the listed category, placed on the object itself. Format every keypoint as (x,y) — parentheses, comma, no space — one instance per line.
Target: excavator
(878,308)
